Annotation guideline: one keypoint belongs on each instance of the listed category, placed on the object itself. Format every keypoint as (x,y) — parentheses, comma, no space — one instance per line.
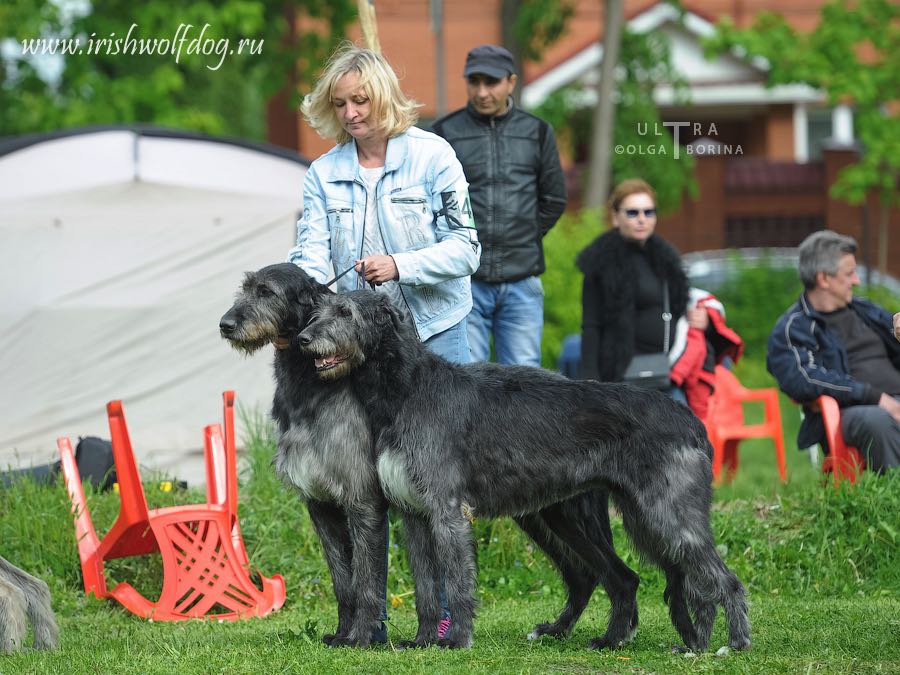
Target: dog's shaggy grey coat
(512,440)
(324,445)
(326,451)
(24,598)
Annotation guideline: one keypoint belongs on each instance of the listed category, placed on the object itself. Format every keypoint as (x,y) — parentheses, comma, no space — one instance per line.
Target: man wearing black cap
(518,193)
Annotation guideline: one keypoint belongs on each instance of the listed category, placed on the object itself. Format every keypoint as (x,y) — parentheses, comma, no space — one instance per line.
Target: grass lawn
(857,635)
(820,565)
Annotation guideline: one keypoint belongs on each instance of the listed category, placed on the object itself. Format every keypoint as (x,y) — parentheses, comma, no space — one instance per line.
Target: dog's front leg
(426,571)
(368,534)
(330,523)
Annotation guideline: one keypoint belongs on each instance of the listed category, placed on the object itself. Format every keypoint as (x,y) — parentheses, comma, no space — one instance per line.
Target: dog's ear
(386,314)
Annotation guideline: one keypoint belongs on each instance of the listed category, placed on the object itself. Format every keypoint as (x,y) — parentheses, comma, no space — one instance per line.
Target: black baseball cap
(489,60)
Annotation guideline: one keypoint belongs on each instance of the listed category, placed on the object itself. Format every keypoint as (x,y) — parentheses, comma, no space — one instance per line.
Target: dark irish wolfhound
(325,449)
(509,440)
(24,598)
(324,444)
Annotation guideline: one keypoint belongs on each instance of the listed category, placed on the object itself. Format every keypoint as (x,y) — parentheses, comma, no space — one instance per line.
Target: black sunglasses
(633,213)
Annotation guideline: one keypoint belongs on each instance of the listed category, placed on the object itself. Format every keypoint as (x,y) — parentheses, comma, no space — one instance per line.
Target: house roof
(729,79)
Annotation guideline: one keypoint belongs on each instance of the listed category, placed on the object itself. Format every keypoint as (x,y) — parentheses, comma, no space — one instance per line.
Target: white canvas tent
(120,248)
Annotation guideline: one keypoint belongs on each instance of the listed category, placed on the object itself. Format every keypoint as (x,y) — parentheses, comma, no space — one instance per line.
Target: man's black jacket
(516,185)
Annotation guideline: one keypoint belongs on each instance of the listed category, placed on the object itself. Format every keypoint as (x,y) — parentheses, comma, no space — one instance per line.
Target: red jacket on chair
(700,351)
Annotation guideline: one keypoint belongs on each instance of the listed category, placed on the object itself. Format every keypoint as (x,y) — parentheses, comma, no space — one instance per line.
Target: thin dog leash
(362,276)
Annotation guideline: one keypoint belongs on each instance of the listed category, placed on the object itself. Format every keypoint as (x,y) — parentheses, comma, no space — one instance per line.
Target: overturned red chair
(843,462)
(726,427)
(205,565)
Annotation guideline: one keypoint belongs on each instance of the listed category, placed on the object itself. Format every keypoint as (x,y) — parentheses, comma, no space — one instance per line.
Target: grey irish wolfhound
(326,451)
(509,440)
(324,445)
(24,598)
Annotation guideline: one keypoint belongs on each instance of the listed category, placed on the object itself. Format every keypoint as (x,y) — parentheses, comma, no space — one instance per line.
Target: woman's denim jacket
(424,215)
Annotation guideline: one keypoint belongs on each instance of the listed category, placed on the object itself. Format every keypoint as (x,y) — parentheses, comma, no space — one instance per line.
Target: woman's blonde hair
(391,110)
(629,187)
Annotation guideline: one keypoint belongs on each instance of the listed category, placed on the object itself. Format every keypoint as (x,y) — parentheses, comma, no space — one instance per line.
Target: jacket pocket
(340,225)
(412,218)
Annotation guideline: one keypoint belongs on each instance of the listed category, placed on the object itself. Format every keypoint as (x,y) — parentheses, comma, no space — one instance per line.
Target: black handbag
(651,371)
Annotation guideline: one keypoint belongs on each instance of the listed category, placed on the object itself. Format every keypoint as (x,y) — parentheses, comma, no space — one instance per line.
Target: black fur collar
(608,259)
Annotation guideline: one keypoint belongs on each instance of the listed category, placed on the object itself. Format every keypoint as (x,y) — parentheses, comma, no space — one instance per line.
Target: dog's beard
(249,341)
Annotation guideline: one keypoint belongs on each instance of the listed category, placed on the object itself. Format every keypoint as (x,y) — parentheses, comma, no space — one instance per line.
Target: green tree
(644,61)
(215,92)
(534,25)
(853,55)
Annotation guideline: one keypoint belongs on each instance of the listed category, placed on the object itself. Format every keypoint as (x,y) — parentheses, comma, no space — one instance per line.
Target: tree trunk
(883,237)
(605,113)
(509,9)
(369,25)
(437,27)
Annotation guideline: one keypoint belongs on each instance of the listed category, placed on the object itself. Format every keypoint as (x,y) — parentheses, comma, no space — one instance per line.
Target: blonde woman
(390,202)
(389,198)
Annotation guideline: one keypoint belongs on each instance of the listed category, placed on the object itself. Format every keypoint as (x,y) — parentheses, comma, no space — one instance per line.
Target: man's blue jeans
(514,313)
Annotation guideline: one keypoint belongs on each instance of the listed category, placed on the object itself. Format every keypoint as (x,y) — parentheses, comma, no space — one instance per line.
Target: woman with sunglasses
(628,270)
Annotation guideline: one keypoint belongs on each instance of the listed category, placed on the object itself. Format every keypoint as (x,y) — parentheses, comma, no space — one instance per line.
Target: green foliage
(218,93)
(563,280)
(540,23)
(646,61)
(853,56)
(643,146)
(755,295)
(823,541)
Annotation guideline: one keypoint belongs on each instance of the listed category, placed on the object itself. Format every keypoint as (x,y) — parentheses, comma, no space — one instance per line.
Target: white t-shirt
(373,242)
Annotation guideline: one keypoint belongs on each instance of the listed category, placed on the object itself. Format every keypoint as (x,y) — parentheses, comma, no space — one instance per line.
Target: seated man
(832,343)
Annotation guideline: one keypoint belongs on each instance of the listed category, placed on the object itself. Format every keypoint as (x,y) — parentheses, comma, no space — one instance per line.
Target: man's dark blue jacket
(808,360)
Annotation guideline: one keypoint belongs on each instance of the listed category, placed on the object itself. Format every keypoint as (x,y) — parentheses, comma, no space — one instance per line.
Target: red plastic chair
(205,564)
(726,428)
(843,462)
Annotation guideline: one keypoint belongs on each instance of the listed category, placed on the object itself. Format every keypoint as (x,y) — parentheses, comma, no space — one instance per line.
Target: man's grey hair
(822,252)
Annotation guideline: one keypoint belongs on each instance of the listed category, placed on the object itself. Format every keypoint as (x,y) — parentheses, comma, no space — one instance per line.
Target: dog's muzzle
(329,362)
(227,326)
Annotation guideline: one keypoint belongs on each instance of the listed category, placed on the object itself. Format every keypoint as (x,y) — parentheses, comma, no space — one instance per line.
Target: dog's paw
(551,629)
(418,643)
(348,641)
(607,642)
(329,638)
(451,642)
(600,643)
